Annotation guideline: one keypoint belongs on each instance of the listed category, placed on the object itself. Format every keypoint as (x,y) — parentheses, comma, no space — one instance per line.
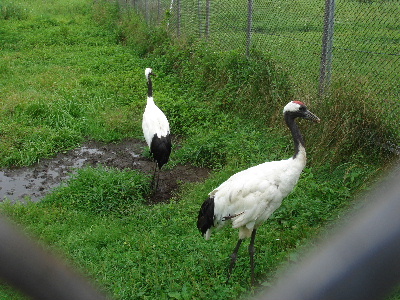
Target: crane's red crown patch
(298,102)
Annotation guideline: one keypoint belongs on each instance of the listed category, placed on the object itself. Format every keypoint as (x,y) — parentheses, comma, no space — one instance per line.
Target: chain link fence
(365,37)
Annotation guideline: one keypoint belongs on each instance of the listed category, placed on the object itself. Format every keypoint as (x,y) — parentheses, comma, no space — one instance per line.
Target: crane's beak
(310,116)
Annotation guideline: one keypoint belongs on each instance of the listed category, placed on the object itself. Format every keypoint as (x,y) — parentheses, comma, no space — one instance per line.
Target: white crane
(156,129)
(248,198)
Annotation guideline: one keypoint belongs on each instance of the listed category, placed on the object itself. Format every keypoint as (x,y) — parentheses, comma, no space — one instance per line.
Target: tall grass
(225,111)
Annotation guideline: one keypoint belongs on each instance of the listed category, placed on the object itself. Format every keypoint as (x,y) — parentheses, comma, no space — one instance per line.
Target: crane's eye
(303,108)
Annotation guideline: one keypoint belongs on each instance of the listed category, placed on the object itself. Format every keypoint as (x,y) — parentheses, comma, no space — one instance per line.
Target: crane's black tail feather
(205,219)
(160,148)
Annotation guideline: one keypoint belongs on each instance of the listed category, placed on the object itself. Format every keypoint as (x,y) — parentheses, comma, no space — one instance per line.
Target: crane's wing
(251,196)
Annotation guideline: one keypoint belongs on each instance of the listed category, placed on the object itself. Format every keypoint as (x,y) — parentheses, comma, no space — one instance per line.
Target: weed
(102,191)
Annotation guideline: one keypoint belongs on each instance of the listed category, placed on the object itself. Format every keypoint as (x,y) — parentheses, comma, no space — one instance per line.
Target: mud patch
(21,184)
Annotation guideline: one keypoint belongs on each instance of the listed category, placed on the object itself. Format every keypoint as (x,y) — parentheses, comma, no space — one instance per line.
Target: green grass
(73,70)
(157,252)
(63,79)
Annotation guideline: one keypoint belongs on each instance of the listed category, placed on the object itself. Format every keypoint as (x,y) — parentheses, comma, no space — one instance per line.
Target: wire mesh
(364,52)
(366,45)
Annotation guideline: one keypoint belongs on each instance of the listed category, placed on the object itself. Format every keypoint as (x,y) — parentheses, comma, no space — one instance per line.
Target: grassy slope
(63,78)
(66,78)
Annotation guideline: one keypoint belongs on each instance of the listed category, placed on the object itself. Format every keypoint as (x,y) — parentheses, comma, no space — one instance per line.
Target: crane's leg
(157,179)
(233,258)
(154,182)
(251,253)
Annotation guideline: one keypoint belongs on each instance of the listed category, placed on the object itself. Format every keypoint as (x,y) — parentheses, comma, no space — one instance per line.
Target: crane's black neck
(296,134)
(149,86)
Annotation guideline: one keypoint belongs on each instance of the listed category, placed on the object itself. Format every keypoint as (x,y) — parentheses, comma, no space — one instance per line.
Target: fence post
(208,7)
(249,25)
(199,16)
(146,15)
(327,46)
(134,5)
(178,25)
(158,12)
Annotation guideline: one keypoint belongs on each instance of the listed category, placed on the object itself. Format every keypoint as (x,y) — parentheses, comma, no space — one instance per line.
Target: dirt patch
(36,181)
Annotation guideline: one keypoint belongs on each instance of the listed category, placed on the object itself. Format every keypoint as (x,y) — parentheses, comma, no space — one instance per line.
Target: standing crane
(249,198)
(156,129)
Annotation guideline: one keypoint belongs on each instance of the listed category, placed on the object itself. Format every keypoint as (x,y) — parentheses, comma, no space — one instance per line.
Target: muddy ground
(35,182)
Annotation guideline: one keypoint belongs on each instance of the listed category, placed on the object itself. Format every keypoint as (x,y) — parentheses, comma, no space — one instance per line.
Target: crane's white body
(249,197)
(154,122)
(155,127)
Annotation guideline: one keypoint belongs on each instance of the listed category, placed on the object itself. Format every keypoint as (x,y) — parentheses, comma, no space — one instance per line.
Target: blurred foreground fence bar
(30,269)
(360,260)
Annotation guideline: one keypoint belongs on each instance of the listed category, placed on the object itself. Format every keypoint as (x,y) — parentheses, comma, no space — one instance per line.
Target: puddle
(19,187)
(33,183)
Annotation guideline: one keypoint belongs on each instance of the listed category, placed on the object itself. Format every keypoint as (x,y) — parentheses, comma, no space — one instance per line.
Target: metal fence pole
(158,11)
(327,46)
(208,7)
(146,10)
(134,5)
(178,25)
(199,16)
(249,26)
